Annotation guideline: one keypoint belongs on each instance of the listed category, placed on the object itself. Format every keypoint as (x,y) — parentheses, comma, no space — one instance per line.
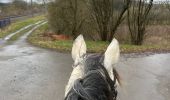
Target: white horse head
(111,57)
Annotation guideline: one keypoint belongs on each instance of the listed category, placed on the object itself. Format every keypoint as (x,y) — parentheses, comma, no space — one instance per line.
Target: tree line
(19,7)
(99,18)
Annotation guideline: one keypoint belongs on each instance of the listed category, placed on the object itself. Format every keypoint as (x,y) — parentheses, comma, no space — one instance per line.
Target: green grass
(16,36)
(18,25)
(37,39)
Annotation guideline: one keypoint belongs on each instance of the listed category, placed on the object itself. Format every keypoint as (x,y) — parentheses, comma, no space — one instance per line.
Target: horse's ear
(111,55)
(79,47)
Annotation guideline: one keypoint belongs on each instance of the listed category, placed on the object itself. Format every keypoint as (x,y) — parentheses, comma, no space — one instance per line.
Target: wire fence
(4,22)
(8,20)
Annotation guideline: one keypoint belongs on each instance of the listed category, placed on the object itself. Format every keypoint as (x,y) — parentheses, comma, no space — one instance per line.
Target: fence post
(4,22)
(0,23)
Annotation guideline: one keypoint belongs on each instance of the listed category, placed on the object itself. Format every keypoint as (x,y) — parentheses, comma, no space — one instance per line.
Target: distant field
(155,35)
(18,25)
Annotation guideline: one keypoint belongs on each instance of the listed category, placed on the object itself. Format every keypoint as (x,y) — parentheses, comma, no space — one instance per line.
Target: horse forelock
(96,84)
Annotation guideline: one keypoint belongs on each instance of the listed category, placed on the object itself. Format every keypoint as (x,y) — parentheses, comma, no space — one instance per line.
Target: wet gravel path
(31,73)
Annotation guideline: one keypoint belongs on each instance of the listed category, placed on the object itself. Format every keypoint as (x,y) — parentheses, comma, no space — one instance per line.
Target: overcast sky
(5,1)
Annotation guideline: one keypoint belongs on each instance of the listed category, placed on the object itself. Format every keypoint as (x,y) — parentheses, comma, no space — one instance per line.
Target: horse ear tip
(80,37)
(115,40)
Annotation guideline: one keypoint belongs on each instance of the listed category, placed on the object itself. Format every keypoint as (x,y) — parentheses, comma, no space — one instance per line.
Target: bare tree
(107,17)
(67,16)
(75,16)
(73,7)
(167,4)
(138,19)
(32,8)
(45,3)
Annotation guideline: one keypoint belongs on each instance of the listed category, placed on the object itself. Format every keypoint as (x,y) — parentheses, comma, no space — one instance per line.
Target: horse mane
(96,84)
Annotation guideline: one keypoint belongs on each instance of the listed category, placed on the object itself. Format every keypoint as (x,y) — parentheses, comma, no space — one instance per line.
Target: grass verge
(18,25)
(16,36)
(36,38)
